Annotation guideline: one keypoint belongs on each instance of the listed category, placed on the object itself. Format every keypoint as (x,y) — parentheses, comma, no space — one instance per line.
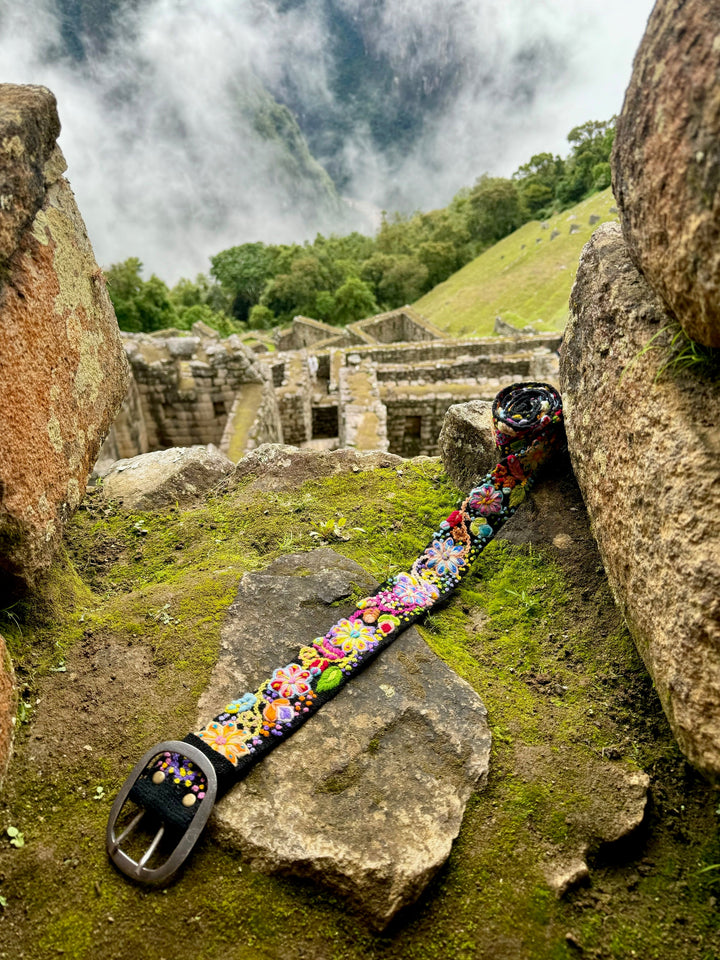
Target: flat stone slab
(368,796)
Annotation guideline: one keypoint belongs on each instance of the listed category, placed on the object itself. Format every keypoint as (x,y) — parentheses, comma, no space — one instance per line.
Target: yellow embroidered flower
(227,738)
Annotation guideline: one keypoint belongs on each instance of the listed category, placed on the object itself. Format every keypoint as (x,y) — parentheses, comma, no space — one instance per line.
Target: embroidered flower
(370,614)
(534,455)
(455,518)
(486,500)
(279,711)
(515,467)
(290,681)
(480,529)
(246,702)
(414,591)
(352,635)
(227,738)
(445,556)
(181,770)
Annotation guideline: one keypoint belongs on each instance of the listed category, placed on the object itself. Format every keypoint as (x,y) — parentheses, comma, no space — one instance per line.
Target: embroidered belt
(177,782)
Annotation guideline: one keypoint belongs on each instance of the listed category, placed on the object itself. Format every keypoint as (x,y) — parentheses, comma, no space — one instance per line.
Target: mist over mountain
(189,127)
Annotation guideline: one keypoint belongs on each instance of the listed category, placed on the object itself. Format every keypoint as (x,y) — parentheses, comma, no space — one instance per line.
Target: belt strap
(176,783)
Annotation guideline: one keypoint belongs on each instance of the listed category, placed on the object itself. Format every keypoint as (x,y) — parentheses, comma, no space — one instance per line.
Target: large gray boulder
(164,478)
(63,372)
(666,159)
(368,796)
(645,450)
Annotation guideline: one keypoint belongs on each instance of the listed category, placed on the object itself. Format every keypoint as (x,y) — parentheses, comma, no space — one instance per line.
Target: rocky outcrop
(467,448)
(277,466)
(153,481)
(63,372)
(367,797)
(666,160)
(645,451)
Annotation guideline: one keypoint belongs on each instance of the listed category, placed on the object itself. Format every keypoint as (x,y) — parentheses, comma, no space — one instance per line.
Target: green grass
(525,278)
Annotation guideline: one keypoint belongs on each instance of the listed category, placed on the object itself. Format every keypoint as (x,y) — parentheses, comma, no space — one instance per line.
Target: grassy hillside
(525,278)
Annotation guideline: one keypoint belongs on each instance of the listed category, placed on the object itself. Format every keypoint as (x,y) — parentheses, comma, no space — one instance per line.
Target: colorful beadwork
(527,421)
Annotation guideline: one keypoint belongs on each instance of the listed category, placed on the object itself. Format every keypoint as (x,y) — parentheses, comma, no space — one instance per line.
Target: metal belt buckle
(137,869)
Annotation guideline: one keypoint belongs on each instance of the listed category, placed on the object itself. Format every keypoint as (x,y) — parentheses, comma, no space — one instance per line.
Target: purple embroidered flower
(414,591)
(486,500)
(445,557)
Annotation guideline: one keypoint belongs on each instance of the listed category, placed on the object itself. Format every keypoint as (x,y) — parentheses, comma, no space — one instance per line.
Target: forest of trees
(342,279)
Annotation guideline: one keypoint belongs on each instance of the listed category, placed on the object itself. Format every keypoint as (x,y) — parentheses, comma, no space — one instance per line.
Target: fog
(168,165)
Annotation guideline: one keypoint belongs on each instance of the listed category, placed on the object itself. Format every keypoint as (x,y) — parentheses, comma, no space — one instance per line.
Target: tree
(295,292)
(140,305)
(201,312)
(244,272)
(496,209)
(261,318)
(440,258)
(354,300)
(404,281)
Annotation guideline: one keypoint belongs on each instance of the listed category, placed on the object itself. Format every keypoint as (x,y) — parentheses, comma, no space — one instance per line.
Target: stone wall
(199,389)
(184,388)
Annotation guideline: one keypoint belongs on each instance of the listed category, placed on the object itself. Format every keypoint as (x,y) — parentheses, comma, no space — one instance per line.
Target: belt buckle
(137,869)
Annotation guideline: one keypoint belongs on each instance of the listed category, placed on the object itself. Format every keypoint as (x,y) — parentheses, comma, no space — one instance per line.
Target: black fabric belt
(173,787)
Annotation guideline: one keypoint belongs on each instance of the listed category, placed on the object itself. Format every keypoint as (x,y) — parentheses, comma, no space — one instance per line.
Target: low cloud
(168,165)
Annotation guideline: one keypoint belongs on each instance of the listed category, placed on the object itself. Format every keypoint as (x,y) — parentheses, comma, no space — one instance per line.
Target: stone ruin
(384,383)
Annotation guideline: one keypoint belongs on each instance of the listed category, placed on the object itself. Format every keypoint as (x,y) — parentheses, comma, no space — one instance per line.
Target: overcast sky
(164,169)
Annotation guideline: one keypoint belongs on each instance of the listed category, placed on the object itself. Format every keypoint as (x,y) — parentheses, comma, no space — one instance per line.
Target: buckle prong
(137,869)
(153,846)
(129,829)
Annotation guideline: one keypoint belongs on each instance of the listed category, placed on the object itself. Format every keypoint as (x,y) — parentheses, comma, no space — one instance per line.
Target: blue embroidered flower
(446,557)
(246,702)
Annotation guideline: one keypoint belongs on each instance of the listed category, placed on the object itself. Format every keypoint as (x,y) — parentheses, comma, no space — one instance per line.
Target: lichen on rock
(63,373)
(645,450)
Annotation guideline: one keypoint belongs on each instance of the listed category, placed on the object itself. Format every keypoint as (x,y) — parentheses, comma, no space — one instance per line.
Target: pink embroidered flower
(446,557)
(486,500)
(352,635)
(227,738)
(290,681)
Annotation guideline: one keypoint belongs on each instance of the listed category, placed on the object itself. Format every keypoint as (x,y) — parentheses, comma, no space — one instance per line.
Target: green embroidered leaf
(517,496)
(329,679)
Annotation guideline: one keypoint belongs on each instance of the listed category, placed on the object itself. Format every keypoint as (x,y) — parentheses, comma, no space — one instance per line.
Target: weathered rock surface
(63,373)
(467,448)
(666,160)
(368,796)
(645,452)
(8,703)
(163,478)
(276,466)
